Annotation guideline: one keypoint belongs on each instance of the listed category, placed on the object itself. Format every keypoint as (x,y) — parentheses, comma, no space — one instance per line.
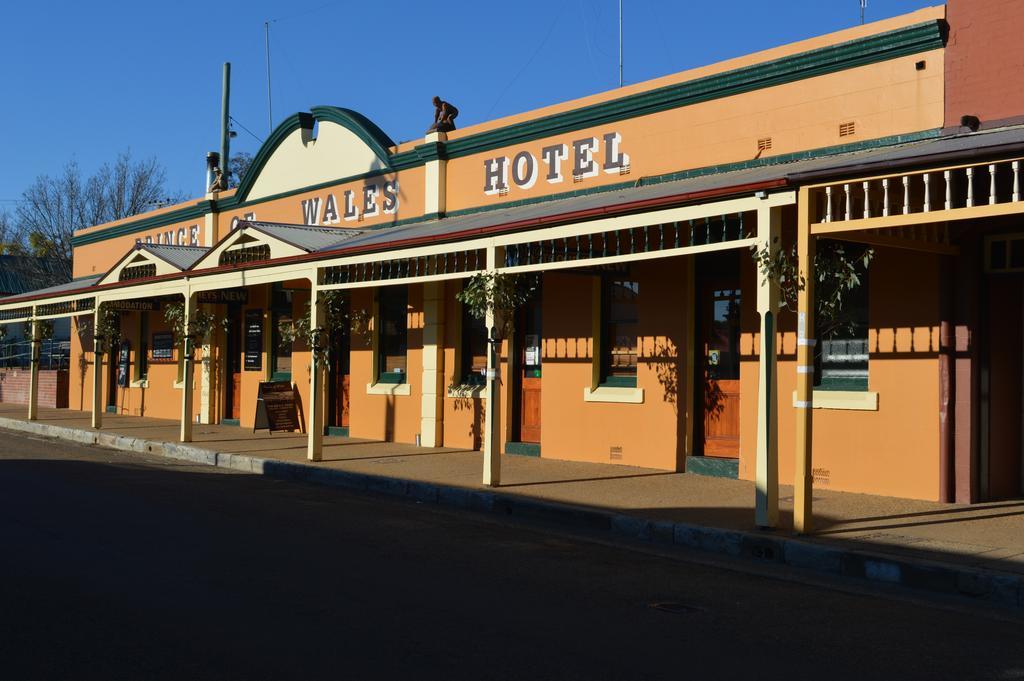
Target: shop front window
(474,348)
(281,313)
(392,362)
(620,312)
(842,360)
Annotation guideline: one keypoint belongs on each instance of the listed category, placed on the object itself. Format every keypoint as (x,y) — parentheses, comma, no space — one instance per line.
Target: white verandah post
(97,370)
(188,346)
(492,432)
(33,384)
(767,464)
(317,369)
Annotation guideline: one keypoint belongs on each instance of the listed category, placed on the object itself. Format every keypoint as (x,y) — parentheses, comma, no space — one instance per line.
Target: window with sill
(281,313)
(393,302)
(619,332)
(473,355)
(841,357)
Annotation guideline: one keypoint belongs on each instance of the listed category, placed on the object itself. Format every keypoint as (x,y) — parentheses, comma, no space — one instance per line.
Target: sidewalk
(854,531)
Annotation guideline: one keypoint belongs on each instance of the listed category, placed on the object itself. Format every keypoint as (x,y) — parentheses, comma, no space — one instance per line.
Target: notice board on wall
(162,346)
(276,408)
(253,340)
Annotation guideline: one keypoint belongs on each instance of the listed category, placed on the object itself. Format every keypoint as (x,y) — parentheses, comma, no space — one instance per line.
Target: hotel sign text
(580,159)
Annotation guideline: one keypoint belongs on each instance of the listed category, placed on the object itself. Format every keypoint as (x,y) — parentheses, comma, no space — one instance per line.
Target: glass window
(392,336)
(474,348)
(621,314)
(723,356)
(841,362)
(281,313)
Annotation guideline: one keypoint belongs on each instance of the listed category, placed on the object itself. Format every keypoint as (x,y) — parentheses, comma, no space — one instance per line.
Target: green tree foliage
(55,206)
(499,293)
(839,268)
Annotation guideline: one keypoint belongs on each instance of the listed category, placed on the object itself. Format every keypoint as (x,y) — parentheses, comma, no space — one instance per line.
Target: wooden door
(529,342)
(112,361)
(1006,376)
(338,412)
(721,370)
(234,362)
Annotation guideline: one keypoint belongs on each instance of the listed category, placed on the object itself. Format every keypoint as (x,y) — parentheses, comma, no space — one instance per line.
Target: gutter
(500,228)
(909,163)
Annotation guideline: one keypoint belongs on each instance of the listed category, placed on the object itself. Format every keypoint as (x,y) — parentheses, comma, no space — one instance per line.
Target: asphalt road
(117,566)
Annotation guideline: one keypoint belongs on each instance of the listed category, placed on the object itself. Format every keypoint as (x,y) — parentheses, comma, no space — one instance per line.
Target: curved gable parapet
(346,144)
(365,129)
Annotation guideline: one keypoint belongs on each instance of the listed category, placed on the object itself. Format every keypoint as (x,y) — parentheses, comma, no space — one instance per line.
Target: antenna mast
(620,42)
(863,6)
(270,105)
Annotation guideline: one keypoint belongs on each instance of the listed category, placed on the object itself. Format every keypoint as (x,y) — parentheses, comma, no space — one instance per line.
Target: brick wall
(53,387)
(985,60)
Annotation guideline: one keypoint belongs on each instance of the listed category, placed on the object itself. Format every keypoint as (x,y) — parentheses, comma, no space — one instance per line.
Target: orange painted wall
(289,208)
(872,28)
(887,98)
(97,258)
(386,417)
(463,416)
(80,372)
(650,434)
(892,451)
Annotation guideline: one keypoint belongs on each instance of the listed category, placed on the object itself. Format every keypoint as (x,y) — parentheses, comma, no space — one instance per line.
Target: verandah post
(492,433)
(97,370)
(33,384)
(803,482)
(767,464)
(187,367)
(317,398)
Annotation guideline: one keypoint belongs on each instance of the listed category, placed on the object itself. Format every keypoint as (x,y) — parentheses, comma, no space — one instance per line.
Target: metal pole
(620,43)
(863,4)
(224,116)
(270,106)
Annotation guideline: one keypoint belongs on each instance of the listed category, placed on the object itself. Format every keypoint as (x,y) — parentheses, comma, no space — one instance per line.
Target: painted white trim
(614,395)
(388,389)
(845,400)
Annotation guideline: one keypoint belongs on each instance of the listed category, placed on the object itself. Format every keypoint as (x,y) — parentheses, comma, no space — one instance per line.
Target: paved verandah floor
(989,535)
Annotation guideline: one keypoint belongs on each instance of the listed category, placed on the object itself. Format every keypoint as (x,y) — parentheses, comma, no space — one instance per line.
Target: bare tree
(11,241)
(53,208)
(237,167)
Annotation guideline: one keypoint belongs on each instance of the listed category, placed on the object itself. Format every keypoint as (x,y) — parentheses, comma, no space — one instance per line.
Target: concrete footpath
(973,551)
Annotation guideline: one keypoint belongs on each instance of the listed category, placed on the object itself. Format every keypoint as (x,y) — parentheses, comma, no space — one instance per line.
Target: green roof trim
(781,159)
(197,210)
(365,129)
(929,35)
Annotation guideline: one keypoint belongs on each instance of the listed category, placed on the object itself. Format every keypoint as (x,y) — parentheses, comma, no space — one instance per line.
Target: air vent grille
(848,129)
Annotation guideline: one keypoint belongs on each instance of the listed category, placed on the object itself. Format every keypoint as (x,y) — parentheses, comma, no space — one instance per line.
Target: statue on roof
(444,116)
(219,184)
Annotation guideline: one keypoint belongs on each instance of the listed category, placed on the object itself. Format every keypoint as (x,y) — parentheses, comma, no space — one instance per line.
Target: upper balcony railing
(885,199)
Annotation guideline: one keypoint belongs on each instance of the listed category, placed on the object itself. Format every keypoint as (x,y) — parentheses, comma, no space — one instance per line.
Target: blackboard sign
(275,407)
(253,340)
(163,346)
(124,363)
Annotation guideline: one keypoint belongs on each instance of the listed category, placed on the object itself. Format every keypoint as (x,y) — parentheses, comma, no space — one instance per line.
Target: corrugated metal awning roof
(182,257)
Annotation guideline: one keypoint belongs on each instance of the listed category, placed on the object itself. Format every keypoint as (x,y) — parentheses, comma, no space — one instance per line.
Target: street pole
(270,107)
(224,118)
(620,43)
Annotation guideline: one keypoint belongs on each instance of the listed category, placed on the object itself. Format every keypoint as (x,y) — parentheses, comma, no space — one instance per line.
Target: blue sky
(86,80)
